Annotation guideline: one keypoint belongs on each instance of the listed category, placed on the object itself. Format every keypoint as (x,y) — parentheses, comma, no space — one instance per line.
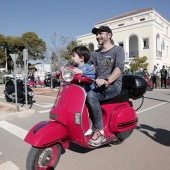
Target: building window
(167,31)
(167,51)
(120,25)
(121,44)
(142,19)
(146,43)
(158,46)
(91,47)
(163,44)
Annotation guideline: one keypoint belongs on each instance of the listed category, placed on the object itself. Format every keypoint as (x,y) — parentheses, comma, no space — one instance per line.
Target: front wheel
(7,98)
(43,158)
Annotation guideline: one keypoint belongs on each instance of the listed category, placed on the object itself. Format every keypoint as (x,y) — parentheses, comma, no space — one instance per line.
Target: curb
(22,113)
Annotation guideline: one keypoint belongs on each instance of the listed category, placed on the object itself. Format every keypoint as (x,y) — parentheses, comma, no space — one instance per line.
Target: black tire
(150,88)
(7,98)
(37,157)
(29,100)
(122,136)
(117,141)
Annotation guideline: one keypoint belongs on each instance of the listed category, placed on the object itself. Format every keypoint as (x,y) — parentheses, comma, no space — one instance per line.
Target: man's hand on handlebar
(101,82)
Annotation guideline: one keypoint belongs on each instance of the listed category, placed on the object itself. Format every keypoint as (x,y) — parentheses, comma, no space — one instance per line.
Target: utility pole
(25,57)
(14,58)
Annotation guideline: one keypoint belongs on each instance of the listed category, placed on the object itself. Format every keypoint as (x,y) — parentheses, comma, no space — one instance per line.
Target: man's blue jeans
(94,97)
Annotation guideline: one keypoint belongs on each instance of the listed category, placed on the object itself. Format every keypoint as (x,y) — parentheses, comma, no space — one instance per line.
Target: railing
(133,54)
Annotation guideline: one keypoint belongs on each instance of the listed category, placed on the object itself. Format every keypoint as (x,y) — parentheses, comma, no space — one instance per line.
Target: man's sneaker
(97,139)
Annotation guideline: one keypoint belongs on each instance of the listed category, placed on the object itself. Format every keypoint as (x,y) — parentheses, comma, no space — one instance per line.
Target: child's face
(76,59)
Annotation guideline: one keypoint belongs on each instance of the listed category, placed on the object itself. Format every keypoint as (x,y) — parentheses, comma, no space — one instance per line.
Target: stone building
(142,32)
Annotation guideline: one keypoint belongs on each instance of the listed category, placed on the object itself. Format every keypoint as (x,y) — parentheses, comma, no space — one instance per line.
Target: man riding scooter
(70,117)
(105,76)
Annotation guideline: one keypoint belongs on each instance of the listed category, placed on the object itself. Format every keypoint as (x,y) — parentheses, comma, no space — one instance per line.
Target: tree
(138,62)
(2,50)
(36,46)
(66,53)
(63,50)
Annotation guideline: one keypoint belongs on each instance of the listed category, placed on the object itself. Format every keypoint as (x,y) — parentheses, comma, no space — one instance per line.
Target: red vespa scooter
(70,120)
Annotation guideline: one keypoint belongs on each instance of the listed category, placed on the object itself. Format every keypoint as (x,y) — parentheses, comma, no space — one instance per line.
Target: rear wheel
(121,137)
(43,158)
(117,141)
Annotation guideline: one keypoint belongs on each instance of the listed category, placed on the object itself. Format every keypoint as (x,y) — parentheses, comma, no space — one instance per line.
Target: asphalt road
(146,149)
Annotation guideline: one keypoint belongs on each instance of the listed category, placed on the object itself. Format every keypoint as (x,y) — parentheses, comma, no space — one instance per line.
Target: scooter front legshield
(47,133)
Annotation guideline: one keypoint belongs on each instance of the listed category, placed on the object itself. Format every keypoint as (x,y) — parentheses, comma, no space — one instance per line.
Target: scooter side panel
(123,118)
(47,133)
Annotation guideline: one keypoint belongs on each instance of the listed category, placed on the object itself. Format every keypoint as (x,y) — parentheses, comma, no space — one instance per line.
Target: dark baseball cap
(102,29)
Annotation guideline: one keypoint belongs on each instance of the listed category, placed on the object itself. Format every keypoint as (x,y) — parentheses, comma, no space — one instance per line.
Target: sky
(70,18)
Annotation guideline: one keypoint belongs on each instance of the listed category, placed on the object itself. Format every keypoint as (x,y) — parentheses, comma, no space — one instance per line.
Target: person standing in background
(168,76)
(163,73)
(154,75)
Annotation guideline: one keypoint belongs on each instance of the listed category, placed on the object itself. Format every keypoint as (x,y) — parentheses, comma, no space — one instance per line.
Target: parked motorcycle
(150,84)
(31,83)
(10,91)
(55,81)
(70,119)
(40,83)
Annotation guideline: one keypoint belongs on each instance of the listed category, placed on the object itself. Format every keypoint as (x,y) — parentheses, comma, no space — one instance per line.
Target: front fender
(47,133)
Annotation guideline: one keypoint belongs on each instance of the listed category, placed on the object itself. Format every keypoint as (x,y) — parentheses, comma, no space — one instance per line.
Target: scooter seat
(122,97)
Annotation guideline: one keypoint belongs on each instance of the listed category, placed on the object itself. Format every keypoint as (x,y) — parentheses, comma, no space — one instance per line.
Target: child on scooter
(80,57)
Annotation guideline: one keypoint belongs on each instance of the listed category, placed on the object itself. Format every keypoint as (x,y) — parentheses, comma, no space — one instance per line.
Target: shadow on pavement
(161,136)
(79,149)
(157,99)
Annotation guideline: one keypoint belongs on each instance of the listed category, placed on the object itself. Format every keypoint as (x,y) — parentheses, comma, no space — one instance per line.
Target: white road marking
(8,166)
(15,130)
(44,106)
(43,111)
(43,103)
(153,107)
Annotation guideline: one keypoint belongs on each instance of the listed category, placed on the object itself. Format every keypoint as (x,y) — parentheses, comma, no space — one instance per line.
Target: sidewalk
(45,91)
(8,111)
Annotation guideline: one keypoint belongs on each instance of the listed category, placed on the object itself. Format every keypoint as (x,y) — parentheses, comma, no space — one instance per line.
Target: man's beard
(101,41)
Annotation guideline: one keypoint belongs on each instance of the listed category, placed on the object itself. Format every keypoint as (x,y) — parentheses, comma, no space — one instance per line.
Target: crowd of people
(159,77)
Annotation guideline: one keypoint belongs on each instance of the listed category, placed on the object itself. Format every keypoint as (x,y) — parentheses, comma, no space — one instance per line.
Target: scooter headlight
(67,74)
